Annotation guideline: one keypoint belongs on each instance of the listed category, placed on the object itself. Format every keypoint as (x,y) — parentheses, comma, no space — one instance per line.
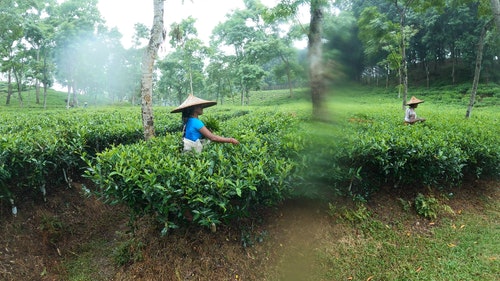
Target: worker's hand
(233,141)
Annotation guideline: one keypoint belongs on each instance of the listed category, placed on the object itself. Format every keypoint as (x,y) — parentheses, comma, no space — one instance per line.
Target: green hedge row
(223,182)
(39,149)
(378,150)
(280,155)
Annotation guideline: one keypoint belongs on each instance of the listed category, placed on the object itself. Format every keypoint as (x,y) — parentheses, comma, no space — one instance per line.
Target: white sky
(125,14)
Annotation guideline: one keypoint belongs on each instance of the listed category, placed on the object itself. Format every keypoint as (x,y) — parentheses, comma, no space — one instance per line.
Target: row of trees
(43,42)
(429,34)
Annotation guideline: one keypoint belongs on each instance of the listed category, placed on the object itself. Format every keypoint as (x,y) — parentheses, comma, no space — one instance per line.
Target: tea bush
(39,150)
(223,182)
(355,155)
(361,157)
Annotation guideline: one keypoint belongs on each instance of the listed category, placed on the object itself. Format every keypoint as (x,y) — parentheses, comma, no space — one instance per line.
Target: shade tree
(77,22)
(191,52)
(220,82)
(11,34)
(244,34)
(288,9)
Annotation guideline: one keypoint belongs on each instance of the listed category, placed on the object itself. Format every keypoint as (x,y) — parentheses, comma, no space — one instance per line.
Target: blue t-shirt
(193,127)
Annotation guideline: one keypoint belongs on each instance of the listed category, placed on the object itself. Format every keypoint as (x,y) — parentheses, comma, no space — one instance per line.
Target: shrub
(358,159)
(426,206)
(223,182)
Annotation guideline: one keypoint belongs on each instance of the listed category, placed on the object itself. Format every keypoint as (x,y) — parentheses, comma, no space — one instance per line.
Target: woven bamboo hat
(192,101)
(414,100)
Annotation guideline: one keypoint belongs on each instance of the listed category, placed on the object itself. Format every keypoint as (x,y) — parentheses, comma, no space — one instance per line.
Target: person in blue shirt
(195,133)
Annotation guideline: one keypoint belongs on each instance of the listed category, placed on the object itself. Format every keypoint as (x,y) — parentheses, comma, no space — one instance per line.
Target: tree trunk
(242,98)
(315,56)
(18,78)
(37,81)
(45,82)
(427,74)
(68,99)
(75,97)
(387,73)
(495,7)
(404,65)
(288,74)
(44,95)
(289,79)
(453,70)
(157,35)
(9,87)
(477,71)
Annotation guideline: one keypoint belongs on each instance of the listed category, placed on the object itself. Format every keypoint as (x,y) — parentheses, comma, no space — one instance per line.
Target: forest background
(68,43)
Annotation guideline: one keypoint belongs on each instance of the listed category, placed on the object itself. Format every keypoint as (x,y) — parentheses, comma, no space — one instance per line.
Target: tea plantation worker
(194,130)
(411,114)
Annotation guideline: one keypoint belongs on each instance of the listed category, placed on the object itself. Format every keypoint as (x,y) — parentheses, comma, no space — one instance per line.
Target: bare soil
(48,239)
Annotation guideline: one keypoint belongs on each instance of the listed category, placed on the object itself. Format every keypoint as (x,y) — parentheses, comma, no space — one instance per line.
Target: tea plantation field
(283,153)
(364,157)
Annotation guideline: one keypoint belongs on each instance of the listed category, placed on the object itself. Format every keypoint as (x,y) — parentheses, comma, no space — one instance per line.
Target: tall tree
(477,71)
(183,37)
(41,37)
(220,80)
(495,8)
(343,45)
(289,9)
(244,34)
(11,34)
(156,39)
(315,56)
(288,65)
(77,22)
(403,69)
(479,53)
(380,38)
(174,82)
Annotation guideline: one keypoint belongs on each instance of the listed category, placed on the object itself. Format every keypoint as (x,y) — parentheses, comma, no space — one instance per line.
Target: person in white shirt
(411,114)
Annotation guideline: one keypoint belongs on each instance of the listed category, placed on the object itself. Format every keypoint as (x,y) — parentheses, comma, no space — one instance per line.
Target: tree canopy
(45,42)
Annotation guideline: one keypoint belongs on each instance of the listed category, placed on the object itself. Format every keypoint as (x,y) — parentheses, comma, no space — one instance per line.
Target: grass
(92,256)
(460,248)
(55,99)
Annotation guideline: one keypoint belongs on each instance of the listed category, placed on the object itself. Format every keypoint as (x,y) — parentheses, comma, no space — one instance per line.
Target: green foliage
(357,215)
(128,252)
(378,150)
(427,206)
(223,182)
(211,123)
(282,153)
(37,149)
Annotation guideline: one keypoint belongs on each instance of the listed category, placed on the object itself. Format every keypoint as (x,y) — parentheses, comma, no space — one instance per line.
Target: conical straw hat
(414,100)
(192,101)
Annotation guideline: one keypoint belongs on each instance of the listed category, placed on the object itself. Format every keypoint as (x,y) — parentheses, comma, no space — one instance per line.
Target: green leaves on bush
(427,206)
(223,182)
(37,150)
(358,159)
